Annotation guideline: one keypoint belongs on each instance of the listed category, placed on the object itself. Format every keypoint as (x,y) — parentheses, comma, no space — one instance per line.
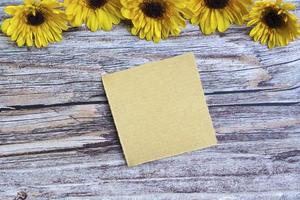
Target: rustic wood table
(58,139)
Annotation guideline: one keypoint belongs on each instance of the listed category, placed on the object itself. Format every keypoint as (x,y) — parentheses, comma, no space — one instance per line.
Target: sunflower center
(216,4)
(37,19)
(96,3)
(153,9)
(272,19)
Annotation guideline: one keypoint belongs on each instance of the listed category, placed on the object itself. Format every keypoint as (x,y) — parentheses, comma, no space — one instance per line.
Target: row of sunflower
(40,22)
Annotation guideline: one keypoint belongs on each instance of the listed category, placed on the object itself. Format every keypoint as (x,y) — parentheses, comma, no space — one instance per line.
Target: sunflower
(212,15)
(273,23)
(155,19)
(36,22)
(97,14)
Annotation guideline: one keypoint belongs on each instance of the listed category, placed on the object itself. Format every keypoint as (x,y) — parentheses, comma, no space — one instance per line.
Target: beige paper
(159,109)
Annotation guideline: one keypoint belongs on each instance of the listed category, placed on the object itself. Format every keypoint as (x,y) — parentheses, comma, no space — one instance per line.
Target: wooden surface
(58,140)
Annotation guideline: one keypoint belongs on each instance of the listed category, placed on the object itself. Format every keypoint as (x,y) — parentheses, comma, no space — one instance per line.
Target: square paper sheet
(159,109)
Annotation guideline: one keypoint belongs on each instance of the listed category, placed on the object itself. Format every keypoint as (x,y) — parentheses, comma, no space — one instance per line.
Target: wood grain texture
(58,140)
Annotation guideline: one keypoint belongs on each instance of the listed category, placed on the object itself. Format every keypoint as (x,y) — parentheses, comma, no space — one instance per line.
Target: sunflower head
(36,22)
(96,14)
(213,15)
(273,23)
(155,19)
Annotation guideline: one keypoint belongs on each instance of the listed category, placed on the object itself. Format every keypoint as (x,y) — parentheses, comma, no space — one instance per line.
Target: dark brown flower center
(96,3)
(153,9)
(37,19)
(272,19)
(216,4)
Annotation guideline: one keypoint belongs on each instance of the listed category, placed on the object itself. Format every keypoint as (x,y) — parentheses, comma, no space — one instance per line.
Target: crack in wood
(287,154)
(41,106)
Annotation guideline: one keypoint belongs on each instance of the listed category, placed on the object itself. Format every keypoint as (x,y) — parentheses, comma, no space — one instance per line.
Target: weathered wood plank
(255,167)
(55,88)
(233,123)
(250,158)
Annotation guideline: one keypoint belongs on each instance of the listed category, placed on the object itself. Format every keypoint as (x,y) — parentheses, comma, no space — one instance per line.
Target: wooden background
(58,140)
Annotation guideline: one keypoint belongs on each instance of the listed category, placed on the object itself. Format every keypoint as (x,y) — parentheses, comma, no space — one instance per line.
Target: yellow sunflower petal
(5,25)
(106,23)
(11,10)
(92,22)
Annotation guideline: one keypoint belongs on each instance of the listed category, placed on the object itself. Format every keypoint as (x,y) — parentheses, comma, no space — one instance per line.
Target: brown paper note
(159,109)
